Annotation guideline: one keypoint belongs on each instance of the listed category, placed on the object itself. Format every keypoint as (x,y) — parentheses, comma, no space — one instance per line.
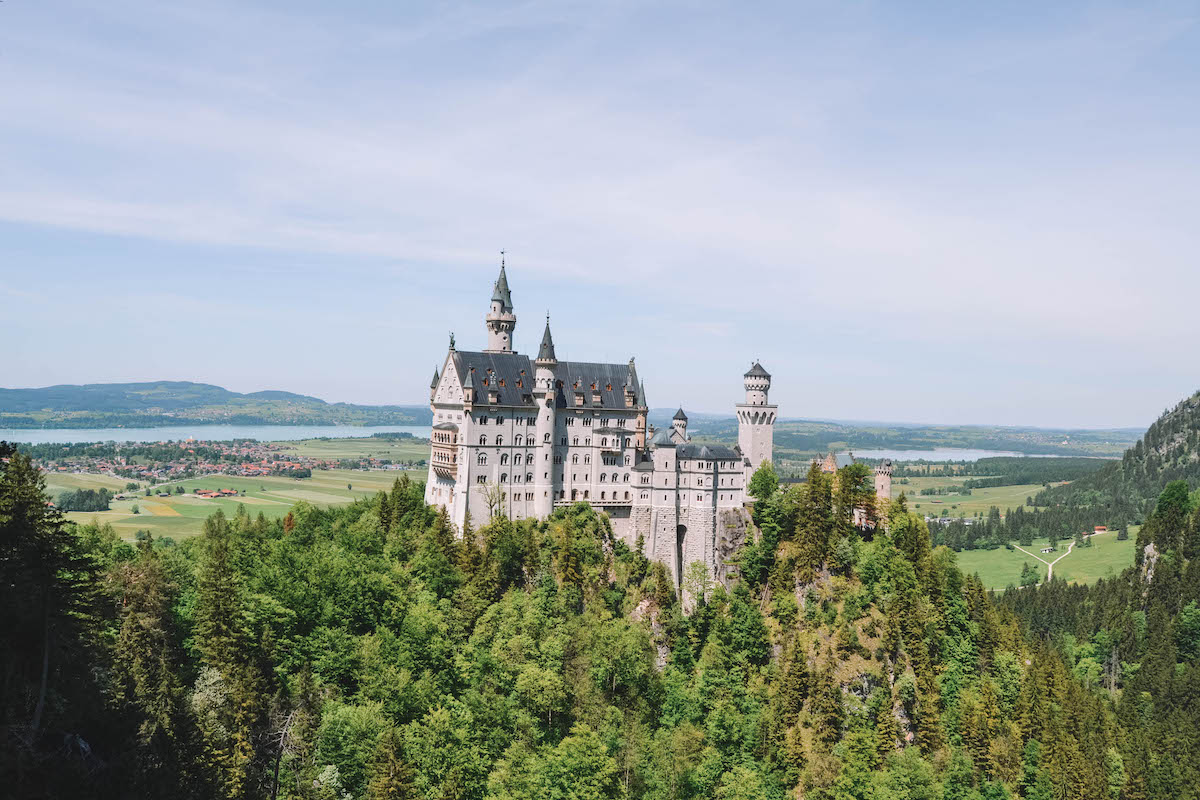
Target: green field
(392,449)
(1001,567)
(182,515)
(961,505)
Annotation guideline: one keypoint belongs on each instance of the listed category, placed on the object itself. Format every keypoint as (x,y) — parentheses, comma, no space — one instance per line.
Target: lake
(217,433)
(939,454)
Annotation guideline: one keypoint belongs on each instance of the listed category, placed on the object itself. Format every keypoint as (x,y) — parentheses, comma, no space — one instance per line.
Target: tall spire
(501,293)
(546,352)
(433,384)
(501,321)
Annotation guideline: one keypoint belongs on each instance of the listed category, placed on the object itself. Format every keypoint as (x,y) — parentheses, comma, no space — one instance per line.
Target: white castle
(520,438)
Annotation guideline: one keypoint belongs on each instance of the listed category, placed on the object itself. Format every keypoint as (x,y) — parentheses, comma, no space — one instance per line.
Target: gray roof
(433,384)
(680,415)
(500,292)
(546,351)
(706,452)
(663,437)
(511,376)
(445,426)
(757,371)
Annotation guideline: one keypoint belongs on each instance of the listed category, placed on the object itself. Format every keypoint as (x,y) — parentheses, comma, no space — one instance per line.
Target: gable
(449,388)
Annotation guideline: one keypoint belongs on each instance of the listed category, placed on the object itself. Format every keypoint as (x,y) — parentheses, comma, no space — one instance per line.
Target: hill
(160,403)
(1169,450)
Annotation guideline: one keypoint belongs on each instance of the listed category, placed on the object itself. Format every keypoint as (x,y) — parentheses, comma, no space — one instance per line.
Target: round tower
(756,420)
(501,321)
(883,485)
(545,391)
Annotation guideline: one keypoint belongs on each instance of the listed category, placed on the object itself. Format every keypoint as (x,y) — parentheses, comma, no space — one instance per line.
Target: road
(1050,564)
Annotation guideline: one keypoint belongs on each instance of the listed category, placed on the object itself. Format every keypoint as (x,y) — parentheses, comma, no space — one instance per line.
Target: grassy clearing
(182,515)
(1001,567)
(961,505)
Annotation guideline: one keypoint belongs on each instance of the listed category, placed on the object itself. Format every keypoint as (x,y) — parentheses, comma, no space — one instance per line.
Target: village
(163,462)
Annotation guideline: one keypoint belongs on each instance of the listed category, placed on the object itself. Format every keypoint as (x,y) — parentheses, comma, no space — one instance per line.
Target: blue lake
(263,433)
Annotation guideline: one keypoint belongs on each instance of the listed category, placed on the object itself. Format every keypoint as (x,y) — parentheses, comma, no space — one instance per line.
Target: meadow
(182,515)
(961,505)
(1001,567)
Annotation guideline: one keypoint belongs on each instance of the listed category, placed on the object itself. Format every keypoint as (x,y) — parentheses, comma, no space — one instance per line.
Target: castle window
(504,477)
(517,441)
(604,441)
(575,459)
(587,459)
(517,458)
(606,422)
(483,420)
(483,439)
(500,420)
(499,441)
(627,459)
(588,441)
(626,477)
(516,477)
(644,496)
(570,420)
(482,460)
(603,477)
(579,398)
(645,479)
(529,479)
(564,441)
(558,459)
(587,421)
(546,438)
(504,459)
(481,479)
(574,440)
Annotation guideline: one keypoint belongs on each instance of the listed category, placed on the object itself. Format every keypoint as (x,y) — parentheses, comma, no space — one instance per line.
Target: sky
(922,212)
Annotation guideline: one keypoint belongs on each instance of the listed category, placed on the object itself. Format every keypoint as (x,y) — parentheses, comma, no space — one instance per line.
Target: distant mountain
(161,403)
(1169,450)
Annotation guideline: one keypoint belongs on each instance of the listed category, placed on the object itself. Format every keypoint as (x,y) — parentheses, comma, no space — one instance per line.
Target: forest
(373,651)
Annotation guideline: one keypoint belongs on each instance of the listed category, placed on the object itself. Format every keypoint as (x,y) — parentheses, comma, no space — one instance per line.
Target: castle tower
(679,423)
(883,486)
(501,321)
(756,419)
(544,393)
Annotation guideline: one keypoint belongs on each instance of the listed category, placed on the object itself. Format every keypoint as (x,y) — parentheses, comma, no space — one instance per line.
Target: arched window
(627,495)
(614,477)
(603,477)
(499,441)
(587,459)
(529,477)
(602,495)
(627,458)
(481,460)
(546,438)
(575,459)
(517,441)
(517,458)
(626,477)
(575,440)
(504,458)
(483,438)
(504,477)
(516,477)
(604,441)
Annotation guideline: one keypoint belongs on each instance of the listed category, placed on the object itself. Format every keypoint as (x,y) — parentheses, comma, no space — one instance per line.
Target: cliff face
(733,526)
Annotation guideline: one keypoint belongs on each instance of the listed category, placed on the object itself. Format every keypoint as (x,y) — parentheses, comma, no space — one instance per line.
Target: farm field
(182,515)
(393,449)
(960,505)
(1001,567)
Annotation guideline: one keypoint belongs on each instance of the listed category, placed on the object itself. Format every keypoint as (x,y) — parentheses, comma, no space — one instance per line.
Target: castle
(520,437)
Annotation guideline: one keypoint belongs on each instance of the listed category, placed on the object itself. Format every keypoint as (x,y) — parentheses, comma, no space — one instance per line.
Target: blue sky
(926,212)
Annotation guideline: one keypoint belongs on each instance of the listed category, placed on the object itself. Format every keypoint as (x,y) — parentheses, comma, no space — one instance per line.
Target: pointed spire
(680,415)
(546,352)
(501,293)
(433,384)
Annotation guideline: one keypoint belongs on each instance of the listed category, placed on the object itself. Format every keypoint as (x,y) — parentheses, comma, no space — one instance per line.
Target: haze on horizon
(907,211)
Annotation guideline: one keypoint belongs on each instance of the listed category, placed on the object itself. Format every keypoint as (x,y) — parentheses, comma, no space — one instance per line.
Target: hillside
(1168,451)
(162,403)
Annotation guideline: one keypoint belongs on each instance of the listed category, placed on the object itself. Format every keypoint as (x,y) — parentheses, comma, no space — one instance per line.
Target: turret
(434,383)
(883,486)
(545,391)
(756,420)
(679,423)
(501,321)
(757,383)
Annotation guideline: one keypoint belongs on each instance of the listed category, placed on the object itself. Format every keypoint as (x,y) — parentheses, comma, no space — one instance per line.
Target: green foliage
(764,482)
